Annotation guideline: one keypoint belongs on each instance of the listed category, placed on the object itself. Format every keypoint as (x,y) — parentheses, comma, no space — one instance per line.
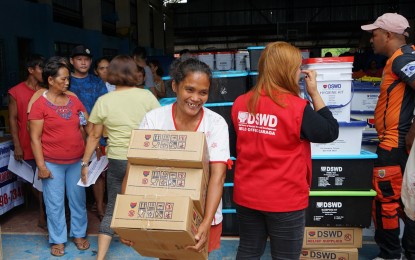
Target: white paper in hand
(94,170)
(20,168)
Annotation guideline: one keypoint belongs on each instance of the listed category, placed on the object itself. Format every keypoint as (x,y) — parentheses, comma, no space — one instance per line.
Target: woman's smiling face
(192,93)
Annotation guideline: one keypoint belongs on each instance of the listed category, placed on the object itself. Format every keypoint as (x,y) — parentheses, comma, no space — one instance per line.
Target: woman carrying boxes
(191,80)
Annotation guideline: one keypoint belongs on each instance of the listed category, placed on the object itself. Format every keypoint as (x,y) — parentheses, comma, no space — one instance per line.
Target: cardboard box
(168,148)
(159,226)
(332,237)
(330,253)
(168,181)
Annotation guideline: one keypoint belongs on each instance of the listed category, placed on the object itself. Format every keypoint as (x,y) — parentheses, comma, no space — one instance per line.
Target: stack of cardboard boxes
(331,243)
(164,200)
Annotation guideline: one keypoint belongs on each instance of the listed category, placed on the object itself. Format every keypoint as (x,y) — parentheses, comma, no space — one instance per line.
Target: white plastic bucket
(241,58)
(224,60)
(208,58)
(334,82)
(331,68)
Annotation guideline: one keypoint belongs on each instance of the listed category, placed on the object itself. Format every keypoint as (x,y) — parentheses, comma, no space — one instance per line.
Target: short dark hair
(184,51)
(101,59)
(179,69)
(34,60)
(140,52)
(122,71)
(157,63)
(52,67)
(141,70)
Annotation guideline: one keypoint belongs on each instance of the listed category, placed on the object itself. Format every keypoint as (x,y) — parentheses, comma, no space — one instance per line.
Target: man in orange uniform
(396,132)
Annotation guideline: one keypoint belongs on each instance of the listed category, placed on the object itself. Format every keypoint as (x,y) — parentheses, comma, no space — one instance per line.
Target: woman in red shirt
(55,121)
(274,128)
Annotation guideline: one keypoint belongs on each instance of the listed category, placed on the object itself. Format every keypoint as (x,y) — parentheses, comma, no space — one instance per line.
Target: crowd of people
(62,114)
(50,125)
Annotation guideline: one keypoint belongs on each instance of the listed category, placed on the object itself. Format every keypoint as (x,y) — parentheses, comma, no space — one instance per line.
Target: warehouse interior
(164,28)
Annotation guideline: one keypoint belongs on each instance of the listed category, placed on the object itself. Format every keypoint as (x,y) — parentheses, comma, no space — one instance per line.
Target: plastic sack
(408,186)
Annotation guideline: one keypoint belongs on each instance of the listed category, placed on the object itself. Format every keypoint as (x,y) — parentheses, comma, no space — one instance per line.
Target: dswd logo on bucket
(332,86)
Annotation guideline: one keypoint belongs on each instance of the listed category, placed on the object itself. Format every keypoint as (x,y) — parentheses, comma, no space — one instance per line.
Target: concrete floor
(22,239)
(32,246)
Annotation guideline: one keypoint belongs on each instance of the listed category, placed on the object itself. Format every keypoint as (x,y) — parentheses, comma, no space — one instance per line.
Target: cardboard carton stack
(165,193)
(331,243)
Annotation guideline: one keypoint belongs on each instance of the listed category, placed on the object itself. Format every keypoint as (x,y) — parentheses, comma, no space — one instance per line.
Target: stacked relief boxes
(341,197)
(165,193)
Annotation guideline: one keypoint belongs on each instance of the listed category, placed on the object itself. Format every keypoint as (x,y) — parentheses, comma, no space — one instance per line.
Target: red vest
(273,164)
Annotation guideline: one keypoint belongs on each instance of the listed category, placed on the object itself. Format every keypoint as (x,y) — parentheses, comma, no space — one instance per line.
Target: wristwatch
(84,164)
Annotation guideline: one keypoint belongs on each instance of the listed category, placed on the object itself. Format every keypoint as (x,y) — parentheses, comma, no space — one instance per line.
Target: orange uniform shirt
(395,107)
